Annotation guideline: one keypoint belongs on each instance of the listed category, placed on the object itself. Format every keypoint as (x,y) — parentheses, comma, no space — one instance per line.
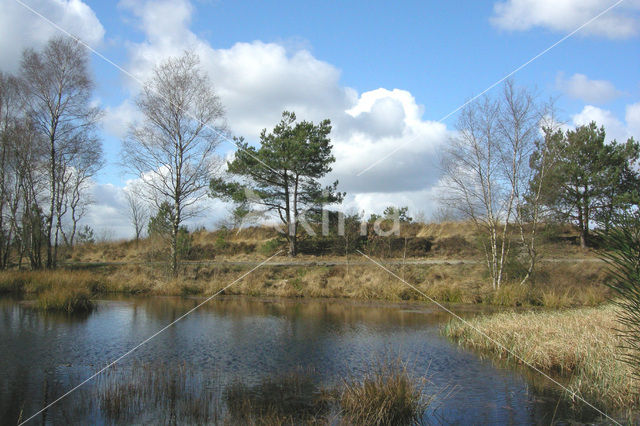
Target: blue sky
(324,59)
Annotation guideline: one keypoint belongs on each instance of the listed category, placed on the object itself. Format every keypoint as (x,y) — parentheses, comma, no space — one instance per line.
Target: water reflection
(252,339)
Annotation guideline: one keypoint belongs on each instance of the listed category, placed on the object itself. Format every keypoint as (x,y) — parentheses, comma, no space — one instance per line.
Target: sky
(388,75)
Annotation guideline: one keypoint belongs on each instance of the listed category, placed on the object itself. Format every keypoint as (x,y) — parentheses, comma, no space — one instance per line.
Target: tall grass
(556,285)
(63,291)
(175,393)
(579,344)
(386,396)
(66,299)
(35,282)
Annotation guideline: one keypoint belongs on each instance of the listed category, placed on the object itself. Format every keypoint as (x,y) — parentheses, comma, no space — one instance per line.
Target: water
(244,339)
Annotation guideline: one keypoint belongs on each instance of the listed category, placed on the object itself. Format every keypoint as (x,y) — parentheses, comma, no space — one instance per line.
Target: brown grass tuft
(387,396)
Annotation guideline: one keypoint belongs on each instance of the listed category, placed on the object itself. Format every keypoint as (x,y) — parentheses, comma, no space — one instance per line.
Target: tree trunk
(52,204)
(174,246)
(293,245)
(584,237)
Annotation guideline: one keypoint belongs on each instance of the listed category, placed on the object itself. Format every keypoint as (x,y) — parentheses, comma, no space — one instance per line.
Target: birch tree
(487,170)
(172,148)
(58,90)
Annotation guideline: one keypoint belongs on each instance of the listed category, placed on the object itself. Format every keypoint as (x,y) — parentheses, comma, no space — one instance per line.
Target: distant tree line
(49,151)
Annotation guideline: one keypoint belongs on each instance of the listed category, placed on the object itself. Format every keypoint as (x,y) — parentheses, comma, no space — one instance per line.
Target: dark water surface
(243,339)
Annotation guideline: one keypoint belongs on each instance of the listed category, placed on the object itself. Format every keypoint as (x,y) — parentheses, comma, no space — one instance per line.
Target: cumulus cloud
(21,28)
(565,16)
(116,120)
(632,117)
(414,166)
(614,127)
(579,86)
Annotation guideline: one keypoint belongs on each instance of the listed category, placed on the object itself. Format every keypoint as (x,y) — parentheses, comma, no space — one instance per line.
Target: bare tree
(84,167)
(8,107)
(138,212)
(58,95)
(172,148)
(488,174)
(530,209)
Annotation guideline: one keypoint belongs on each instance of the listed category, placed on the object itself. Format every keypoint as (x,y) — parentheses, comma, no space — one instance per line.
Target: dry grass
(63,291)
(65,299)
(36,282)
(556,286)
(580,344)
(386,396)
(450,240)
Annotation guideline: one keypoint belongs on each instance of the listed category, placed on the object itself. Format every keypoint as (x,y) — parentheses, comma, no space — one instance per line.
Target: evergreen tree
(591,181)
(283,174)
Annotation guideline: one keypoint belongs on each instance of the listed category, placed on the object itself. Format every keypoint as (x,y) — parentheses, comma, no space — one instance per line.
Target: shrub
(270,247)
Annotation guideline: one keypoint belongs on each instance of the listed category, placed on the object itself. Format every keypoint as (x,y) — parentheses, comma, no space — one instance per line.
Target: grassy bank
(141,268)
(556,285)
(580,345)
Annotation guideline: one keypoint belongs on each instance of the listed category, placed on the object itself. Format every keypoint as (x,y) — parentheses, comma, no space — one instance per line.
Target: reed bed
(581,345)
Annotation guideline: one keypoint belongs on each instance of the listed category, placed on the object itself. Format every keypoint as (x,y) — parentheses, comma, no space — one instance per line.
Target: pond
(238,340)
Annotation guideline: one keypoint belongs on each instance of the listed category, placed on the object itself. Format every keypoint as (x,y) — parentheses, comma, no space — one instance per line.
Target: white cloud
(414,166)
(116,120)
(108,214)
(615,128)
(21,28)
(579,86)
(566,15)
(632,117)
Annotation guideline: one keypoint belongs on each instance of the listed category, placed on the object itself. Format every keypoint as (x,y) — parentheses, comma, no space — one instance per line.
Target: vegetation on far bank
(581,345)
(557,285)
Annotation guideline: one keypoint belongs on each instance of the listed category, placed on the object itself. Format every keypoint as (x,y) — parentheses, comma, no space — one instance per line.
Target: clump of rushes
(65,299)
(386,396)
